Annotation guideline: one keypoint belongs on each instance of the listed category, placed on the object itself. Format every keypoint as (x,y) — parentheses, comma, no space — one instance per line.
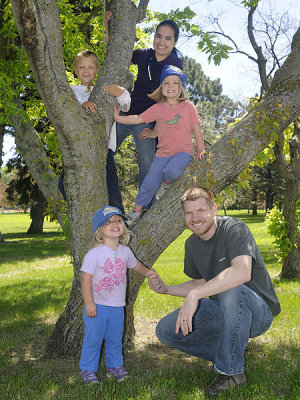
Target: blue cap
(172,70)
(102,216)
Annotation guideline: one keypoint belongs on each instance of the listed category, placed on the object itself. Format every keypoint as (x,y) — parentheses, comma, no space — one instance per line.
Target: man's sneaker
(89,377)
(119,373)
(162,190)
(223,382)
(132,217)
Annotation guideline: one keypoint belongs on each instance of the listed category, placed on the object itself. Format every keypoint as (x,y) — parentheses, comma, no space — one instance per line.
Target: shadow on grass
(30,247)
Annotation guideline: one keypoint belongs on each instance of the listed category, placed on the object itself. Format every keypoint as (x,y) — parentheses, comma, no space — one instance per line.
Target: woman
(150,64)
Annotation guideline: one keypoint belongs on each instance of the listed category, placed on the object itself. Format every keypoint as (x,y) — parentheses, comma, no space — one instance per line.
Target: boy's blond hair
(158,97)
(123,239)
(195,193)
(86,53)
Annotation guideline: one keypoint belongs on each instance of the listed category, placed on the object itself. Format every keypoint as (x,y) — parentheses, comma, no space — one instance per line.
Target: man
(229,298)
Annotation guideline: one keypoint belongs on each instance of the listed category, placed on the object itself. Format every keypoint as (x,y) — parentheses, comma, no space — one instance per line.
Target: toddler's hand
(91,310)
(114,90)
(157,285)
(90,106)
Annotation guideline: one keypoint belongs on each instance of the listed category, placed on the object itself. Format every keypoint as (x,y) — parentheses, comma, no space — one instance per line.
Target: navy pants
(114,193)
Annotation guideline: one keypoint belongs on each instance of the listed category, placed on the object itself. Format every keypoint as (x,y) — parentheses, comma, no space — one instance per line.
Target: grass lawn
(35,281)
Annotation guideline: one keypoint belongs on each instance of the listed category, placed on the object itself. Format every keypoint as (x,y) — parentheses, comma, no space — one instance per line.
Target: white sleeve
(124,100)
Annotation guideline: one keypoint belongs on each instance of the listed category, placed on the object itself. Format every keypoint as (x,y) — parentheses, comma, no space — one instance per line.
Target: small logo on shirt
(174,121)
(222,259)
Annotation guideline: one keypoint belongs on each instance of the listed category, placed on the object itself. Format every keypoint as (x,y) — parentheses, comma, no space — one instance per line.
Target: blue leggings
(108,326)
(162,169)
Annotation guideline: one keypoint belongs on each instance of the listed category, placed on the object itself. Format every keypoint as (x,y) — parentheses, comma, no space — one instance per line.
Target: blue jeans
(145,147)
(221,328)
(167,169)
(108,326)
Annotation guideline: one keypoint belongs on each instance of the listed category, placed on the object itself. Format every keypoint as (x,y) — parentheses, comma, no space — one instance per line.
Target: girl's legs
(152,181)
(94,330)
(176,165)
(113,336)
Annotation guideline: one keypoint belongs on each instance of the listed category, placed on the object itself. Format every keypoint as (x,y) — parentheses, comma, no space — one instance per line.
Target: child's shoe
(162,190)
(119,373)
(89,376)
(133,216)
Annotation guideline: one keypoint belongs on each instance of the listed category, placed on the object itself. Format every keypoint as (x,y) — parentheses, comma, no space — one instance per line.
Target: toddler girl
(103,287)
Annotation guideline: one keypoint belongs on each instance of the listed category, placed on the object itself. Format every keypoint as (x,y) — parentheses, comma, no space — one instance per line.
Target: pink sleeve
(150,115)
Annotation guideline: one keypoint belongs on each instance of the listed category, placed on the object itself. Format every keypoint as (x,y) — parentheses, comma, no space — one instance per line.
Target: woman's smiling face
(164,42)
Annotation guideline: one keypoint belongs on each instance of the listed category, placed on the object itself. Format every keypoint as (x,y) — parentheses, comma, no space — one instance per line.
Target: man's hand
(157,285)
(91,310)
(90,106)
(184,319)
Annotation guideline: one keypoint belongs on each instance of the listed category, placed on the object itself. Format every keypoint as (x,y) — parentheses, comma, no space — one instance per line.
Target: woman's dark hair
(172,24)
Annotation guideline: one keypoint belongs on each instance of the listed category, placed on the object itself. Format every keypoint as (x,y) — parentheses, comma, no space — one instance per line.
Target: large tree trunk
(291,174)
(83,143)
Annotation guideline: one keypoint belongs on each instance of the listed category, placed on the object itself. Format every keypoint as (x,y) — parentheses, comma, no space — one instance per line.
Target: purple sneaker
(119,373)
(89,377)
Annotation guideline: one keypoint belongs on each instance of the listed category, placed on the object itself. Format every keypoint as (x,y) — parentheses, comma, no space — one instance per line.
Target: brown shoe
(223,382)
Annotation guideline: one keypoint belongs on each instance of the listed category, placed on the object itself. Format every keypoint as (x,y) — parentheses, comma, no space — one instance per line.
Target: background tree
(264,33)
(83,142)
(23,188)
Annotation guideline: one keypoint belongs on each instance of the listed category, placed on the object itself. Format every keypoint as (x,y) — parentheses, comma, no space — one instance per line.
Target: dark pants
(114,193)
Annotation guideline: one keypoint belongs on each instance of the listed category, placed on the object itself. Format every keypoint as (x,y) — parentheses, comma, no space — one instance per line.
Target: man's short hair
(195,193)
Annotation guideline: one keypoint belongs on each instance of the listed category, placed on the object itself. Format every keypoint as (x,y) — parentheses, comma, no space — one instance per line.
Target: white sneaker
(162,190)
(132,217)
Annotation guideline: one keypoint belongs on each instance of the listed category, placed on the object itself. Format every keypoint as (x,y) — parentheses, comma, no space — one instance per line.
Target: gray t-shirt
(207,258)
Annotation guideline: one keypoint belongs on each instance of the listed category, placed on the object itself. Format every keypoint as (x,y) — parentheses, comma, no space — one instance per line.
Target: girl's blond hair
(123,239)
(158,97)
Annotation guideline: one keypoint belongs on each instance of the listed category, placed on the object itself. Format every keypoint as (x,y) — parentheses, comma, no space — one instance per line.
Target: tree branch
(142,8)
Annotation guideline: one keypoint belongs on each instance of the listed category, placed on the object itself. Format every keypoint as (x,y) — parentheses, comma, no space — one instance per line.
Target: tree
(83,143)
(268,58)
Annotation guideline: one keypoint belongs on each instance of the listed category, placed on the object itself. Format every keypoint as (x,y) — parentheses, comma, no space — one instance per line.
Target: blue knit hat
(102,216)
(172,70)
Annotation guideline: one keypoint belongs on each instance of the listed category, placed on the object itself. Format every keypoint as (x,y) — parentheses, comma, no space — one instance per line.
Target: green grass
(35,281)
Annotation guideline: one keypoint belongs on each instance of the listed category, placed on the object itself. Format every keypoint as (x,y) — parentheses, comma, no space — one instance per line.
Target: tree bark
(83,142)
(291,174)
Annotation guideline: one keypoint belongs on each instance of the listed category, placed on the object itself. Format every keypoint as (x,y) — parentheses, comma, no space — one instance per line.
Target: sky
(238,75)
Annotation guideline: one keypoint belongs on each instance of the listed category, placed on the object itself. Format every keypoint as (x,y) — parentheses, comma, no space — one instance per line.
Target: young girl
(176,120)
(103,287)
(86,67)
